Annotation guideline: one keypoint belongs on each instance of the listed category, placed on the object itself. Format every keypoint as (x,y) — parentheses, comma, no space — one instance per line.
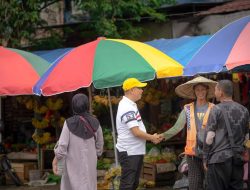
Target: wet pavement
(57,187)
(11,187)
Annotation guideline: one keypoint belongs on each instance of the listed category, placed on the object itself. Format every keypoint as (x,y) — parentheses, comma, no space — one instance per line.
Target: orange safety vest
(191,127)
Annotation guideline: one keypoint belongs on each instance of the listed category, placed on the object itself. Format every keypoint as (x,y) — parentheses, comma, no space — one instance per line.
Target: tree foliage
(19,20)
(117,18)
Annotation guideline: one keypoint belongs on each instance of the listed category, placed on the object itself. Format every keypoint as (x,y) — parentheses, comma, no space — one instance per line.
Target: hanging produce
(46,114)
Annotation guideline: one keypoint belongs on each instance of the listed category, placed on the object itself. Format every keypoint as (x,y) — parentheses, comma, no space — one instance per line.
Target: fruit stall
(32,126)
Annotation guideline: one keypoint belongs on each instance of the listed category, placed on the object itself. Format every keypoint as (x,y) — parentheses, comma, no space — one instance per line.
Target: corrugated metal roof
(236,5)
(199,1)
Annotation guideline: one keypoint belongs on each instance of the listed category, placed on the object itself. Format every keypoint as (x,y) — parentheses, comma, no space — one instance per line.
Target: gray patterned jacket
(217,147)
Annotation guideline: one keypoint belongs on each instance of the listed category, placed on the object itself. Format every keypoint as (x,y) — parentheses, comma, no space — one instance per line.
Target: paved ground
(29,188)
(56,187)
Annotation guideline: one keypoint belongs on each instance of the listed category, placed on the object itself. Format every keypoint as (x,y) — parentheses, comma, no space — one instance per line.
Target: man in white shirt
(132,135)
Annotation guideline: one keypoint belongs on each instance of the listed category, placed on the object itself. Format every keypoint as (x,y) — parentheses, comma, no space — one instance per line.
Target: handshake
(156,138)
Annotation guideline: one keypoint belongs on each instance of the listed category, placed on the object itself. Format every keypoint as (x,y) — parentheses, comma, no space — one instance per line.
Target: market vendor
(194,116)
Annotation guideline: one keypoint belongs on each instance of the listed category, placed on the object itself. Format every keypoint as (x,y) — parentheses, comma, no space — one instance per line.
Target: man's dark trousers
(227,175)
(131,170)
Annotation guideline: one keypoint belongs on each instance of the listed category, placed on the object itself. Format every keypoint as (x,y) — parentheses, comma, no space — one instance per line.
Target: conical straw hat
(186,90)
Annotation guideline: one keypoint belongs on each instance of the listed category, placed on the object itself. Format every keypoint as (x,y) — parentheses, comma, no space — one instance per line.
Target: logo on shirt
(130,116)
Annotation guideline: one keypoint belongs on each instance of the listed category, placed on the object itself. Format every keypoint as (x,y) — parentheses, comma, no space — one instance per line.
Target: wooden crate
(22,170)
(149,172)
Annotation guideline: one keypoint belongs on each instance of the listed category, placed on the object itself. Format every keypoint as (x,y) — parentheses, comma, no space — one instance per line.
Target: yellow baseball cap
(131,83)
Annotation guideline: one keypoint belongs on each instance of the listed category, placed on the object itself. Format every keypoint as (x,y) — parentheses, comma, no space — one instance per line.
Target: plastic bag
(154,152)
(60,163)
(183,167)
(181,183)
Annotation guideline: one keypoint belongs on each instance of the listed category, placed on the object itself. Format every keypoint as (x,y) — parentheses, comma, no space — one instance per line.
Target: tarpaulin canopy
(181,49)
(52,55)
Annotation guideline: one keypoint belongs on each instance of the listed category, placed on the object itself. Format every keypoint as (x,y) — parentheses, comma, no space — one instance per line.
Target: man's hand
(54,166)
(156,138)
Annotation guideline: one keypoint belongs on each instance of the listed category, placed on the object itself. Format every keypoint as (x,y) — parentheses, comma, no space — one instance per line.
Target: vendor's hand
(156,138)
(54,166)
(162,136)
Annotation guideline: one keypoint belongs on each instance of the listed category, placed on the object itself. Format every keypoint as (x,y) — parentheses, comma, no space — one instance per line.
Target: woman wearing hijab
(194,116)
(80,143)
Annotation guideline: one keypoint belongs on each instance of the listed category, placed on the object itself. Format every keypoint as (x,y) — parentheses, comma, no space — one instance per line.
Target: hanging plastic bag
(60,163)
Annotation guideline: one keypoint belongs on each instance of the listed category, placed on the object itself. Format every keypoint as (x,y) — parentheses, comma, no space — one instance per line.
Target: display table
(22,156)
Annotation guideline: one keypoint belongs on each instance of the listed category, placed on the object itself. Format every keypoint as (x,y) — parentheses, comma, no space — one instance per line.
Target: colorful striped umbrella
(228,48)
(106,63)
(19,71)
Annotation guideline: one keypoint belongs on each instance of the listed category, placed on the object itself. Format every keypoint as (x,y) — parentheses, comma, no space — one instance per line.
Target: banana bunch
(247,144)
(101,100)
(104,100)
(150,184)
(23,99)
(57,122)
(112,172)
(40,124)
(29,104)
(28,101)
(152,96)
(42,139)
(146,183)
(104,185)
(40,109)
(115,100)
(54,105)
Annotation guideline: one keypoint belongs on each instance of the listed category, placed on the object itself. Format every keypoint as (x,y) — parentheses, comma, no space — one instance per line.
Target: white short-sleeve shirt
(128,117)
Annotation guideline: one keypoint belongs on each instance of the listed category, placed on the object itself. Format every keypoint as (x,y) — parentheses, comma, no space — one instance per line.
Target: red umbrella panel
(19,71)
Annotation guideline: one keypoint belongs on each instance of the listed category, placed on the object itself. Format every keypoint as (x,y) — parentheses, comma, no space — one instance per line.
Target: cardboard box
(22,170)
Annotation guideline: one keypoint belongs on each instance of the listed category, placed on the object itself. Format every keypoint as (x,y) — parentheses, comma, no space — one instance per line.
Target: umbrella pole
(113,127)
(90,99)
(39,158)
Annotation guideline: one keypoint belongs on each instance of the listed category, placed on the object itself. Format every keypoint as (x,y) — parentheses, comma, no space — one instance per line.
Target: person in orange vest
(194,116)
